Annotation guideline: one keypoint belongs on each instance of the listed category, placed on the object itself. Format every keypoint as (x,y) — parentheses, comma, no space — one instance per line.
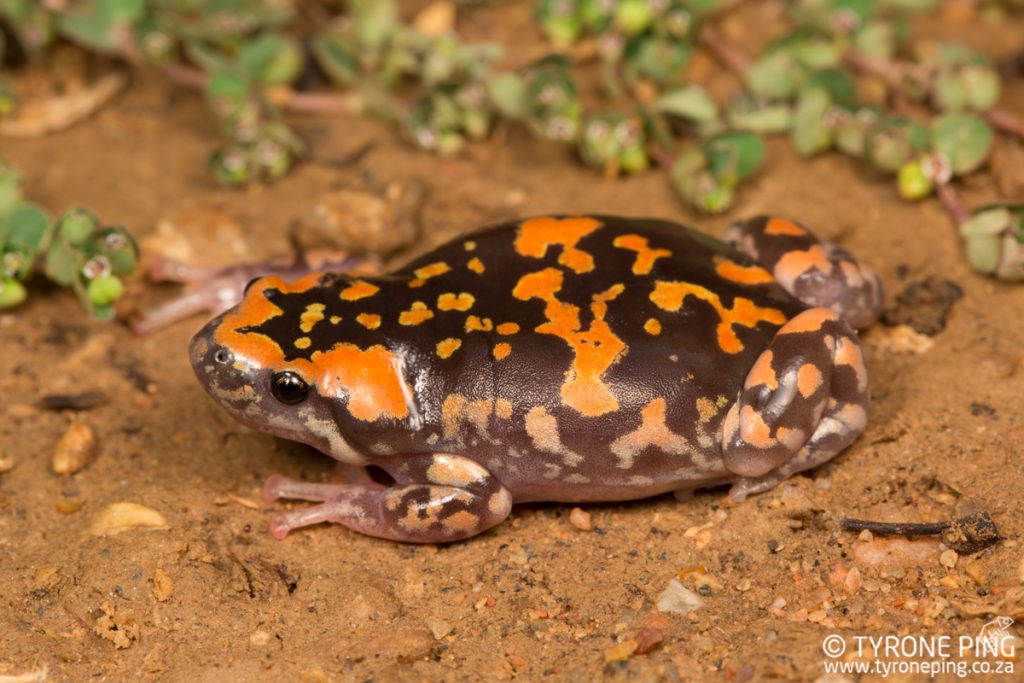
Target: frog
(563,358)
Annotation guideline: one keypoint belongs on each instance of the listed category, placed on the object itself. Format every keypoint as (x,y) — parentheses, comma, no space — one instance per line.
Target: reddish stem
(724,52)
(951,203)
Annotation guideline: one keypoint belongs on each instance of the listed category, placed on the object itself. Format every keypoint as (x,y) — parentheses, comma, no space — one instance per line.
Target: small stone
(743,586)
(313,676)
(817,616)
(260,638)
(948,558)
(117,627)
(74,450)
(6,463)
(69,506)
(163,585)
(620,651)
(439,627)
(853,582)
(647,639)
(118,517)
(678,599)
(436,19)
(580,519)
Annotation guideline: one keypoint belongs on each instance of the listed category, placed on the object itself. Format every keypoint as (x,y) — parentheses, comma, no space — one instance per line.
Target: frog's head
(246,368)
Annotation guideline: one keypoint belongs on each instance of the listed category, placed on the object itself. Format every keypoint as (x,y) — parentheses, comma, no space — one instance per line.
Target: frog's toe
(817,273)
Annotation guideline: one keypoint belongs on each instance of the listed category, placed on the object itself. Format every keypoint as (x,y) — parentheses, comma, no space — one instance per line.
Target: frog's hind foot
(815,272)
(438,498)
(804,400)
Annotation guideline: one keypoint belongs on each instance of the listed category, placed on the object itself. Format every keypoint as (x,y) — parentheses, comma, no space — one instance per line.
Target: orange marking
(503,408)
(476,265)
(335,319)
(469,245)
(595,349)
(462,521)
(462,301)
(745,275)
(669,296)
(808,379)
(313,314)
(508,328)
(762,372)
(370,321)
(446,347)
(754,430)
(360,289)
(537,234)
(652,326)
(793,264)
(809,321)
(303,343)
(371,378)
(502,350)
(783,226)
(476,324)
(653,431)
(426,272)
(416,314)
(645,255)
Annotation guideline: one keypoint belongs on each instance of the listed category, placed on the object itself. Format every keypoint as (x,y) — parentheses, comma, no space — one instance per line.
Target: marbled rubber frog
(581,358)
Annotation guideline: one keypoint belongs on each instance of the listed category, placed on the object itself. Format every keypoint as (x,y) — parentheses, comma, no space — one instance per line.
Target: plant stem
(723,51)
(951,203)
(894,528)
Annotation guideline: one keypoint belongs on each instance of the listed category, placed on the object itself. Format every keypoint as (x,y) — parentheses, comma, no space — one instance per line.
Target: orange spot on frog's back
(744,275)
(426,272)
(360,289)
(783,226)
(670,295)
(537,234)
(595,349)
(645,254)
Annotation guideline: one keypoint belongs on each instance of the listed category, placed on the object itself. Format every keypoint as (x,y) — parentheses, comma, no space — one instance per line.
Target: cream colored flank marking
(542,428)
(462,521)
(469,245)
(500,503)
(652,432)
(462,301)
(446,347)
(808,379)
(503,408)
(370,321)
(417,313)
(457,410)
(335,319)
(454,470)
(313,314)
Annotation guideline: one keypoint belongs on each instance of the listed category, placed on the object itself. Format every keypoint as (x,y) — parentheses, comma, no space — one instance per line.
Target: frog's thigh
(804,400)
(815,272)
(438,498)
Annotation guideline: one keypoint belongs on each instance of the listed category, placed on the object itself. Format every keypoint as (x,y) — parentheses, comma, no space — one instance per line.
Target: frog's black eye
(288,388)
(249,284)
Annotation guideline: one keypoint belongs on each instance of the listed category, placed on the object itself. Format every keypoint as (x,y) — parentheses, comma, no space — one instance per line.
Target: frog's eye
(288,388)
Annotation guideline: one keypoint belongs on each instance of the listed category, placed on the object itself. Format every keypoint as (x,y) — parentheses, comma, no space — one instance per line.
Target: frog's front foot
(436,499)
(804,400)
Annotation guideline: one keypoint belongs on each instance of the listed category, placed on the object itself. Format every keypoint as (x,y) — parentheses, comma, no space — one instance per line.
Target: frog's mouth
(242,388)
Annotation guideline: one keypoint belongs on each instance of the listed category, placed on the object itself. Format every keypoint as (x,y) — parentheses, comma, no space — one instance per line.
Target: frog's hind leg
(815,272)
(438,498)
(804,400)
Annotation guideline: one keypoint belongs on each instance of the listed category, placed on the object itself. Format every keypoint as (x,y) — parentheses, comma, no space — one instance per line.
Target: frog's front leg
(804,400)
(817,273)
(436,499)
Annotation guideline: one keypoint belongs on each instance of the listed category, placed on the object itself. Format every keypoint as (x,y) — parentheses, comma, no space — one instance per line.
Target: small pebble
(6,463)
(580,519)
(647,639)
(678,599)
(75,449)
(163,585)
(118,517)
(620,651)
(948,558)
(259,638)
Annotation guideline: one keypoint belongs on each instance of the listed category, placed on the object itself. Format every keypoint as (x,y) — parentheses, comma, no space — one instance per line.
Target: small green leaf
(120,249)
(837,83)
(227,85)
(105,290)
(507,91)
(986,222)
(76,225)
(375,20)
(733,156)
(28,227)
(776,76)
(61,264)
(10,192)
(271,59)
(811,131)
(336,57)
(692,103)
(12,293)
(744,114)
(912,181)
(965,138)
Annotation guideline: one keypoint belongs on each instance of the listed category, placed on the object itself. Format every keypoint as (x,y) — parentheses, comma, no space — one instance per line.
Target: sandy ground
(212,596)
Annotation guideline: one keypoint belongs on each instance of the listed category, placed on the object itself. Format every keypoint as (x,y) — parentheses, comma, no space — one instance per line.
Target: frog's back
(605,349)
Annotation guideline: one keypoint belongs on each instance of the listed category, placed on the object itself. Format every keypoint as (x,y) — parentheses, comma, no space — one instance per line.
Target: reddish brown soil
(536,597)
